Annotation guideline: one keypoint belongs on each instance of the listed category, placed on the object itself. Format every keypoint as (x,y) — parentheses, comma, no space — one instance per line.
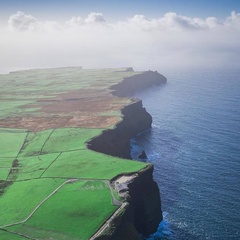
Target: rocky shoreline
(142,213)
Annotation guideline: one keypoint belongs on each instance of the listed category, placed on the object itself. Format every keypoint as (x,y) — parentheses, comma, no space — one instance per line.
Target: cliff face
(116,142)
(143,213)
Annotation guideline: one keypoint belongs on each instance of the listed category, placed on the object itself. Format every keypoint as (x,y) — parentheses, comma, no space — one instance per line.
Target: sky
(115,9)
(151,34)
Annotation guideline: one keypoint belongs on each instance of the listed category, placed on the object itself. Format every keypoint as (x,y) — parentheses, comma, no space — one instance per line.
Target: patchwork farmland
(51,185)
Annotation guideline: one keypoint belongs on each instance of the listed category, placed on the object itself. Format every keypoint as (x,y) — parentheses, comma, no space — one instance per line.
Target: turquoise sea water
(194,145)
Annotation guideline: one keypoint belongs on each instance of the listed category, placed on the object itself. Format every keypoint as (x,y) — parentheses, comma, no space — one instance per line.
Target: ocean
(194,145)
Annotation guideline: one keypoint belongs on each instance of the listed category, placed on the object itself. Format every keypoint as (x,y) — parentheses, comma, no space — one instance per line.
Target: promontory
(65,165)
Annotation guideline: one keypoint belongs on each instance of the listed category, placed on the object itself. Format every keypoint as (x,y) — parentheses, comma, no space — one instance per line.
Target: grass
(43,234)
(4,173)
(20,198)
(68,139)
(49,81)
(6,162)
(34,143)
(67,211)
(34,167)
(4,235)
(11,142)
(89,164)
(12,108)
(34,158)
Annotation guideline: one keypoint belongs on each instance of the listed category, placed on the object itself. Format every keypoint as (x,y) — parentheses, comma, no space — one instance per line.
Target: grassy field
(11,142)
(20,198)
(11,236)
(4,172)
(56,141)
(89,164)
(62,153)
(34,142)
(46,118)
(34,166)
(68,212)
(62,140)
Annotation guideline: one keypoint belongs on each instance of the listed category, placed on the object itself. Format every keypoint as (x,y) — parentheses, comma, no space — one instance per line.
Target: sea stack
(143,155)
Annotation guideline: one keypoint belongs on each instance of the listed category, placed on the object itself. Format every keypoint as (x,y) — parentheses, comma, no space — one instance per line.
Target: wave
(164,231)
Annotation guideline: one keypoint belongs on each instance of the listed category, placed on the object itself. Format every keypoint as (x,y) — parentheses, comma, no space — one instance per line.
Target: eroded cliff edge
(135,118)
(142,212)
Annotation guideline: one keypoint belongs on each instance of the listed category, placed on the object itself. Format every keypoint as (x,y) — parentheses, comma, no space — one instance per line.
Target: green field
(20,198)
(39,154)
(4,235)
(62,140)
(89,164)
(11,142)
(34,142)
(4,172)
(33,167)
(67,212)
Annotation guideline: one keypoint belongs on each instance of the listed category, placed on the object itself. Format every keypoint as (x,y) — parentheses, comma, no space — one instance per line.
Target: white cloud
(95,18)
(171,21)
(233,20)
(92,18)
(74,21)
(141,42)
(21,21)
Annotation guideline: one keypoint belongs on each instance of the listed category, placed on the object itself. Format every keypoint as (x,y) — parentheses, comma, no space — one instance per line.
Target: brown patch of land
(42,123)
(85,108)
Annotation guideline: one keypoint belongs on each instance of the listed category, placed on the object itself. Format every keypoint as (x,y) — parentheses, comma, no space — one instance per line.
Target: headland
(65,148)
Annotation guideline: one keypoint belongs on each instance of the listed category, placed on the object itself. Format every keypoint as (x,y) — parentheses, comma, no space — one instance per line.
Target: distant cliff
(138,82)
(143,213)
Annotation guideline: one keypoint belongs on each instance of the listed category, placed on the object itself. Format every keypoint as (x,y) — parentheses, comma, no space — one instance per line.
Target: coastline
(142,205)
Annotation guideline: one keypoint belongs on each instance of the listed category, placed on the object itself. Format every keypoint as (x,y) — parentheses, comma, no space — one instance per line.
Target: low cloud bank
(145,43)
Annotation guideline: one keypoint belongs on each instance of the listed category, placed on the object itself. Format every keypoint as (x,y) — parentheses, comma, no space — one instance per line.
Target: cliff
(136,83)
(116,142)
(135,118)
(142,214)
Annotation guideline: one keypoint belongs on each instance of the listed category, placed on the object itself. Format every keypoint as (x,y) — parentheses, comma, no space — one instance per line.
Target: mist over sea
(194,145)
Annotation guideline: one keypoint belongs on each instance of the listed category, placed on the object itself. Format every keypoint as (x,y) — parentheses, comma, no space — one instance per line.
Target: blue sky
(115,10)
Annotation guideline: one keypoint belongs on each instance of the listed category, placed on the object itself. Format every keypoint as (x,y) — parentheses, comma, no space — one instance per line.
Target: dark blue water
(194,145)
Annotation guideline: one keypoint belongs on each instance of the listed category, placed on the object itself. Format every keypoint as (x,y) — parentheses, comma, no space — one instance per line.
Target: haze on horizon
(148,39)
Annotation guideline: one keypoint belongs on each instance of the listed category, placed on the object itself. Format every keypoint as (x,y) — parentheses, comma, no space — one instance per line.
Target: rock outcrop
(143,155)
(142,214)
